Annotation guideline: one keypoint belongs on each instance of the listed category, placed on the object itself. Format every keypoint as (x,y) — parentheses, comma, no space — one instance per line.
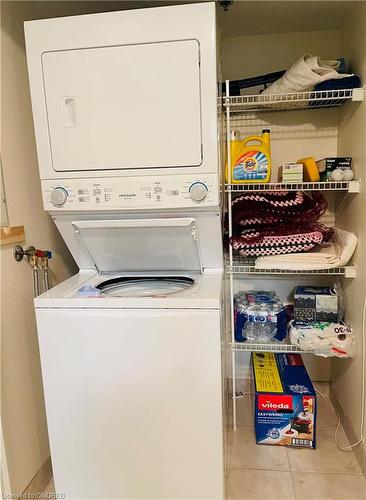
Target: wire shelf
(350,186)
(284,346)
(292,101)
(246,109)
(242,265)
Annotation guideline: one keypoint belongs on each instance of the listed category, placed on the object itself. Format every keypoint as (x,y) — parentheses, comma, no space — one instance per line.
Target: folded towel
(337,253)
(253,85)
(351,82)
(304,74)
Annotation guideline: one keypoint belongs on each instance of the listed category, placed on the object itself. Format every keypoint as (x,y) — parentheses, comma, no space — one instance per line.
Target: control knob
(198,191)
(59,196)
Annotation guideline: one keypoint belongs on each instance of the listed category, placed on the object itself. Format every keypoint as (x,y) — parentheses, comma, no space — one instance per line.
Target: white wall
(294,135)
(246,56)
(23,415)
(347,374)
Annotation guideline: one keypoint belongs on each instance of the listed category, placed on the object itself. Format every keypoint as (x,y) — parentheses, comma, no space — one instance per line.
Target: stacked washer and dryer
(125,116)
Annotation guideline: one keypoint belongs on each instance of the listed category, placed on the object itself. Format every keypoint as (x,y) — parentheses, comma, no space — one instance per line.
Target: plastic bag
(324,339)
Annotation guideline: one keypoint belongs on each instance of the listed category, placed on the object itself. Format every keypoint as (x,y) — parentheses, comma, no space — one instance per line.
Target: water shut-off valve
(38,260)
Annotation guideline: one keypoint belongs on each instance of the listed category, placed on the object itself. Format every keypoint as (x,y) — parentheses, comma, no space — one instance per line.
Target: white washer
(131,363)
(133,389)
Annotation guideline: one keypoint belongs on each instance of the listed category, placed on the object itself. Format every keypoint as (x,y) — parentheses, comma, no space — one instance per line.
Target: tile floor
(277,473)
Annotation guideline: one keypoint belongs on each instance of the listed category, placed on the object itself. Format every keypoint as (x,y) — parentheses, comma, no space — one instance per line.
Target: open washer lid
(169,244)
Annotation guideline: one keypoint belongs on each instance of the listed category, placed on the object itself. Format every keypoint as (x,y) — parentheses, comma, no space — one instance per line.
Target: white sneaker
(304,74)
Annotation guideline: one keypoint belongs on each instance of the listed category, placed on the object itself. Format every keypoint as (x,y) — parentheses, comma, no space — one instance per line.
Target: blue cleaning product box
(285,400)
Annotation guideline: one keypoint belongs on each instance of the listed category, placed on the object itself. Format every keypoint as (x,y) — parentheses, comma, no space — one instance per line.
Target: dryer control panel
(165,192)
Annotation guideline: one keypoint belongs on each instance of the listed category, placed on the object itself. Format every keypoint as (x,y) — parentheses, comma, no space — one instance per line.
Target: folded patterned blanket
(280,239)
(264,209)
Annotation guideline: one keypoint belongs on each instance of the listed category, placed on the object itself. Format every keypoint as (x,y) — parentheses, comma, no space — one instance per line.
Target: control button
(198,191)
(59,196)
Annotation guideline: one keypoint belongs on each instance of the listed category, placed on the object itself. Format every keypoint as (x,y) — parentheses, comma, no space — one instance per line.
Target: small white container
(291,172)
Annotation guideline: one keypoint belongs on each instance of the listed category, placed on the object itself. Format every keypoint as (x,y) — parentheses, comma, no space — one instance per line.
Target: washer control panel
(179,191)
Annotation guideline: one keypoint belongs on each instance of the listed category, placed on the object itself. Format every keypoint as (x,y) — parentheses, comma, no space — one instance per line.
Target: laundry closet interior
(112,208)
(267,37)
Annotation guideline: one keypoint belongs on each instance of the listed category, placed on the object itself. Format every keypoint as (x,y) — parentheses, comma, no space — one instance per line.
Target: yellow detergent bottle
(235,149)
(253,163)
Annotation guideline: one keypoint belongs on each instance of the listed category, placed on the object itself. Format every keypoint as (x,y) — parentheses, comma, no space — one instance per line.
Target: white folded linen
(304,74)
(335,254)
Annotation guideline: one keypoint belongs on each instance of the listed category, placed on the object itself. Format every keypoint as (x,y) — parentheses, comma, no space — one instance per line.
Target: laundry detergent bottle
(253,163)
(235,151)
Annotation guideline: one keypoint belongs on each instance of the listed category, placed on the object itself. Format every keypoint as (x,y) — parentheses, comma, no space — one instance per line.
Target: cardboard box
(315,303)
(285,401)
(291,173)
(327,165)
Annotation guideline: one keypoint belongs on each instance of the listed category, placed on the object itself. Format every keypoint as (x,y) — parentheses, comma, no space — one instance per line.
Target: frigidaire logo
(127,195)
(274,403)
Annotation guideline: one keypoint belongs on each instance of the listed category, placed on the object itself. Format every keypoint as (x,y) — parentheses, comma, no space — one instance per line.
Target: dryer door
(124,107)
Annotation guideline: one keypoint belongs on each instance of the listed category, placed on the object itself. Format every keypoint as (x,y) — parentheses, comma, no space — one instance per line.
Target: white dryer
(131,346)
(121,94)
